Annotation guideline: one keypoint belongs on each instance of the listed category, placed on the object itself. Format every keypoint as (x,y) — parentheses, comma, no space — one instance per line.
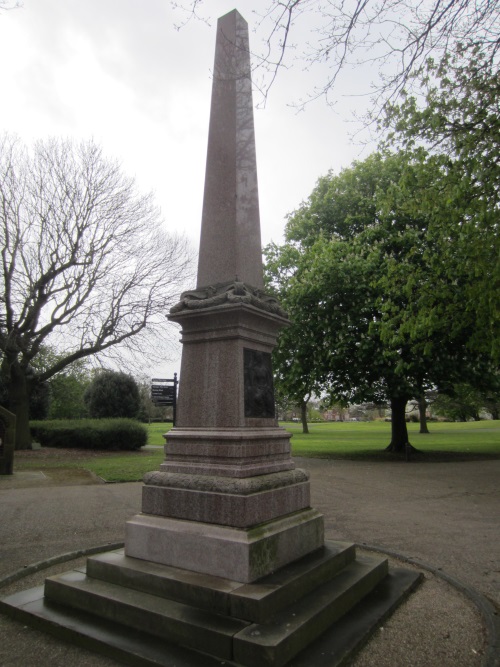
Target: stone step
(172,621)
(254,602)
(276,592)
(286,634)
(273,642)
(135,647)
(194,588)
(108,638)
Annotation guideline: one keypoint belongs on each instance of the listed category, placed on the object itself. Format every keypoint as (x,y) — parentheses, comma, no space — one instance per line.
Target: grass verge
(341,440)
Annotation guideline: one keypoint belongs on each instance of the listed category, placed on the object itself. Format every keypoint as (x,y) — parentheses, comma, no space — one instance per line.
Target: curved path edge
(488,611)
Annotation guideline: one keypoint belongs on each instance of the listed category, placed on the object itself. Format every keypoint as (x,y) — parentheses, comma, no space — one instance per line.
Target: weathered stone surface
(194,588)
(212,388)
(227,293)
(242,555)
(226,425)
(160,617)
(230,244)
(232,485)
(133,646)
(239,452)
(255,602)
(228,509)
(276,642)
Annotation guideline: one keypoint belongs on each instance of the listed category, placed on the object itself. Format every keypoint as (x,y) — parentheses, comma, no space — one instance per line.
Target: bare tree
(86,263)
(395,36)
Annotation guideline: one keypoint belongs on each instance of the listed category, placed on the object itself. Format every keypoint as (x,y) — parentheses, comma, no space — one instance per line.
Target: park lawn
(156,431)
(367,439)
(348,440)
(110,466)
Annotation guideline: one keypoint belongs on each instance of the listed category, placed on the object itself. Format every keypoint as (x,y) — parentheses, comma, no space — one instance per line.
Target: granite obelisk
(228,500)
(230,243)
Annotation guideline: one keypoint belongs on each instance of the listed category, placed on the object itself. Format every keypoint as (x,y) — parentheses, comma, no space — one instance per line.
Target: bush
(112,394)
(113,434)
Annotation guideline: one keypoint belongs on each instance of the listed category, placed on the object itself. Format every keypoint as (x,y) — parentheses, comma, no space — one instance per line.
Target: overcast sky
(119,71)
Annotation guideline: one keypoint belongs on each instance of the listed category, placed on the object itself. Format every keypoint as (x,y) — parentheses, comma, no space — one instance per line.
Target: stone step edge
(341,641)
(216,634)
(255,602)
(275,643)
(158,617)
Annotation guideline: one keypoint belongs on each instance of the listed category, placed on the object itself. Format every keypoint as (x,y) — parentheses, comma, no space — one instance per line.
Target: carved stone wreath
(232,292)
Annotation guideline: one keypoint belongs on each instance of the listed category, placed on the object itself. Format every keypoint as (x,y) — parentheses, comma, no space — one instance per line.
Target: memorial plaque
(258,379)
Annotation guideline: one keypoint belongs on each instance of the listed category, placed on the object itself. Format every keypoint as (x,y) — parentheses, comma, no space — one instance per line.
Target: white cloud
(118,71)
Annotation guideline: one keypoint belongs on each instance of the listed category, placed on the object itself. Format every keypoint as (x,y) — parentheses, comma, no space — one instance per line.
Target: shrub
(112,394)
(111,434)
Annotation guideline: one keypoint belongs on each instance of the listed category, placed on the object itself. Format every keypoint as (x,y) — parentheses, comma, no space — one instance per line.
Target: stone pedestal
(225,412)
(227,501)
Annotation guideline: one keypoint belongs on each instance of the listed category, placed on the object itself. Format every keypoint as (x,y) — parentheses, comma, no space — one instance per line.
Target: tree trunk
(422,410)
(19,389)
(303,416)
(399,432)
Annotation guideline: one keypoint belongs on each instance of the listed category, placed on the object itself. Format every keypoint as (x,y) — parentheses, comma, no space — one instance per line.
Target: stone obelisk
(228,500)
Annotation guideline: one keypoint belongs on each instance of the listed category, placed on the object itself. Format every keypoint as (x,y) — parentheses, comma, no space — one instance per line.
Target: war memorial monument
(227,562)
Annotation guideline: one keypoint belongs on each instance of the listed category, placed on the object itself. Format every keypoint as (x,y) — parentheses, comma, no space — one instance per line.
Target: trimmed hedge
(111,434)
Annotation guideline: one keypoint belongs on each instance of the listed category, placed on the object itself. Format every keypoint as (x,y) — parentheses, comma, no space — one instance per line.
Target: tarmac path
(446,515)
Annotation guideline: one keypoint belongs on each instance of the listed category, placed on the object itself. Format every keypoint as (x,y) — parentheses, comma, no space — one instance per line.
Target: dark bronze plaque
(259,391)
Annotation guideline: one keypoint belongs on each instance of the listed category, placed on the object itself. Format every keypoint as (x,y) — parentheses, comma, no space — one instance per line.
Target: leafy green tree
(67,390)
(347,279)
(294,379)
(87,266)
(456,117)
(461,404)
(112,394)
(464,402)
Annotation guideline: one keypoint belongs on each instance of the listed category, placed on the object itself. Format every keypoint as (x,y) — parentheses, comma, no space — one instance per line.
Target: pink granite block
(226,509)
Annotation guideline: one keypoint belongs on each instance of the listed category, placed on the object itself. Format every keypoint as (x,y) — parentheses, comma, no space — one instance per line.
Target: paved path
(444,514)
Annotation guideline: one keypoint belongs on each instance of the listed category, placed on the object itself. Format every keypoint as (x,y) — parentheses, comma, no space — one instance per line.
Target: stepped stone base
(314,611)
(242,555)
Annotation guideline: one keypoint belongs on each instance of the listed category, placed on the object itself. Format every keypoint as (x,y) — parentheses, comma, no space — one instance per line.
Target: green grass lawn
(360,439)
(351,440)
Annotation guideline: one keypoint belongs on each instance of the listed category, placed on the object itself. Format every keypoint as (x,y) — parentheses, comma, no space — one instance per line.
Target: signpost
(164,392)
